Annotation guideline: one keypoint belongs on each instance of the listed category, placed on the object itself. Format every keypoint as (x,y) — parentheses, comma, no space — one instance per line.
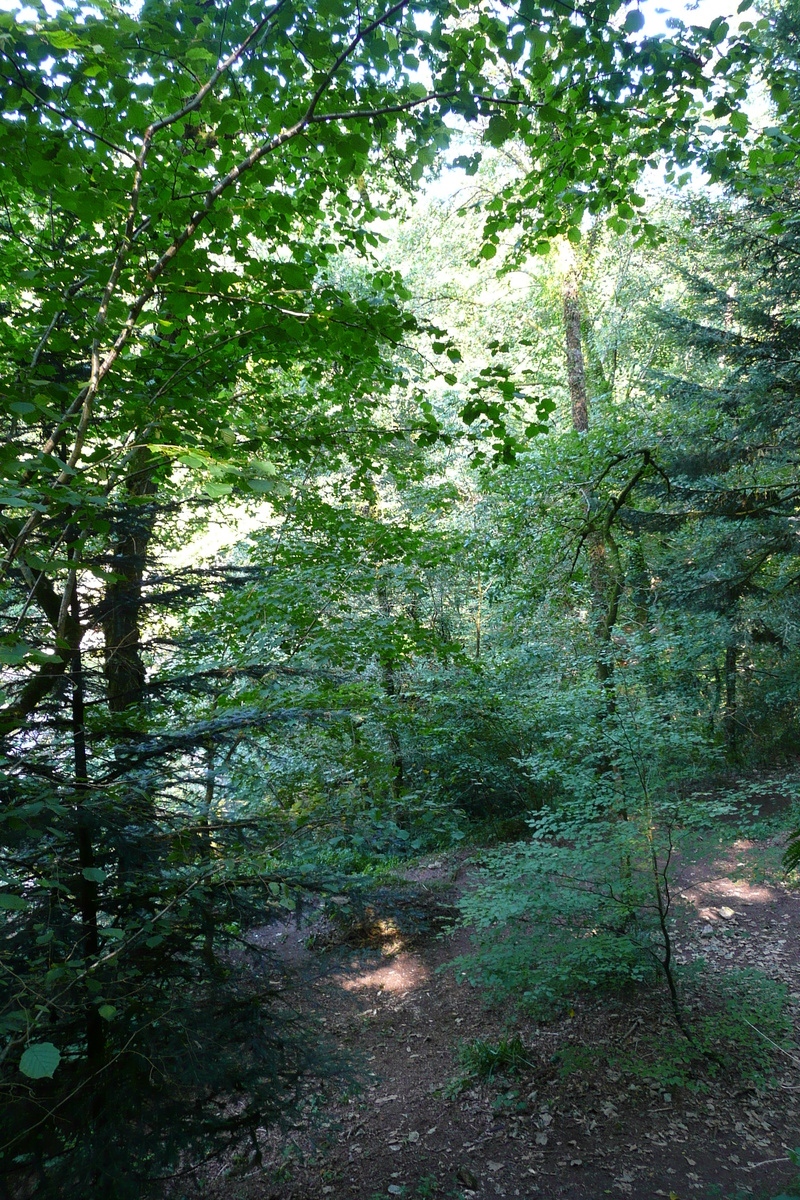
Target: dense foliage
(291,583)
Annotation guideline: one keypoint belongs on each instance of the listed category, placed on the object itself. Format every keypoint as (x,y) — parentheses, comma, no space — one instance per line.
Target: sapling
(585,903)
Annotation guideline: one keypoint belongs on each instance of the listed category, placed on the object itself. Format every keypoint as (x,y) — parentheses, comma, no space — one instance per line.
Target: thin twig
(790,1056)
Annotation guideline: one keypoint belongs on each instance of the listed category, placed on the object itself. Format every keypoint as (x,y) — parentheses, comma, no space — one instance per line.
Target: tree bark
(123,666)
(604,558)
(729,722)
(576,369)
(389,686)
(86,887)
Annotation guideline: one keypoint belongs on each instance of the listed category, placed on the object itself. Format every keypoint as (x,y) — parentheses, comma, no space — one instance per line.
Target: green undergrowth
(585,908)
(482,1059)
(762,809)
(738,1023)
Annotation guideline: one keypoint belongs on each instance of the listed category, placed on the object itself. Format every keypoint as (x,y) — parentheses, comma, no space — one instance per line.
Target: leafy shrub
(568,912)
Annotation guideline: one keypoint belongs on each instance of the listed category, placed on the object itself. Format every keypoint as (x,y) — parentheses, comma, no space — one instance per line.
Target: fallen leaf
(465,1176)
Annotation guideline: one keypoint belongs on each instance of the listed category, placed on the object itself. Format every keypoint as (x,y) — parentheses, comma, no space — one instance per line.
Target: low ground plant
(481,1059)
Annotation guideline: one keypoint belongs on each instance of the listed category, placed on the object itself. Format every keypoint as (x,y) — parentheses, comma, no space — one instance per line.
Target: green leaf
(264,467)
(40,1060)
(499,130)
(107,1011)
(13,903)
(62,40)
(12,656)
(634,21)
(192,460)
(93,874)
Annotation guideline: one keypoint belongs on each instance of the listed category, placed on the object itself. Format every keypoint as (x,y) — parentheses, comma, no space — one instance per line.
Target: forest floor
(595,1110)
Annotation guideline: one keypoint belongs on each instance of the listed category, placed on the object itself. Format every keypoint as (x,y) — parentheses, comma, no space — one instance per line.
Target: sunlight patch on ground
(734,889)
(404,973)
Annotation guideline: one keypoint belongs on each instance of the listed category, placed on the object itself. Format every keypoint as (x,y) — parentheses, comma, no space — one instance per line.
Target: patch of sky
(662,19)
(26,13)
(659,21)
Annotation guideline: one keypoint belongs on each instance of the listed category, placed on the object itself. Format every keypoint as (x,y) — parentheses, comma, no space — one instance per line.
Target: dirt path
(574,1124)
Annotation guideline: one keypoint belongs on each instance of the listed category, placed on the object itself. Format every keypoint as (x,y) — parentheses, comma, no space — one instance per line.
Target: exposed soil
(575,1122)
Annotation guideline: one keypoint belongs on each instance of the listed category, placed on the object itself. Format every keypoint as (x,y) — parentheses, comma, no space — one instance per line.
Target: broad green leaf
(62,40)
(634,21)
(40,1060)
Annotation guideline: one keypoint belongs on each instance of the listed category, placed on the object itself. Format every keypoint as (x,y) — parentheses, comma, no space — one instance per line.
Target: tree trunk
(640,586)
(124,670)
(576,370)
(389,686)
(86,887)
(209,925)
(604,560)
(478,619)
(729,722)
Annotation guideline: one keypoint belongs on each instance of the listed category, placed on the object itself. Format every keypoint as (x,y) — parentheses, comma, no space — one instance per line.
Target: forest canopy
(399,436)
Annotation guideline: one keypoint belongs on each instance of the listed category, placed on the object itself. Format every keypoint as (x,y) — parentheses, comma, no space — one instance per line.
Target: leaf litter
(574,1126)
